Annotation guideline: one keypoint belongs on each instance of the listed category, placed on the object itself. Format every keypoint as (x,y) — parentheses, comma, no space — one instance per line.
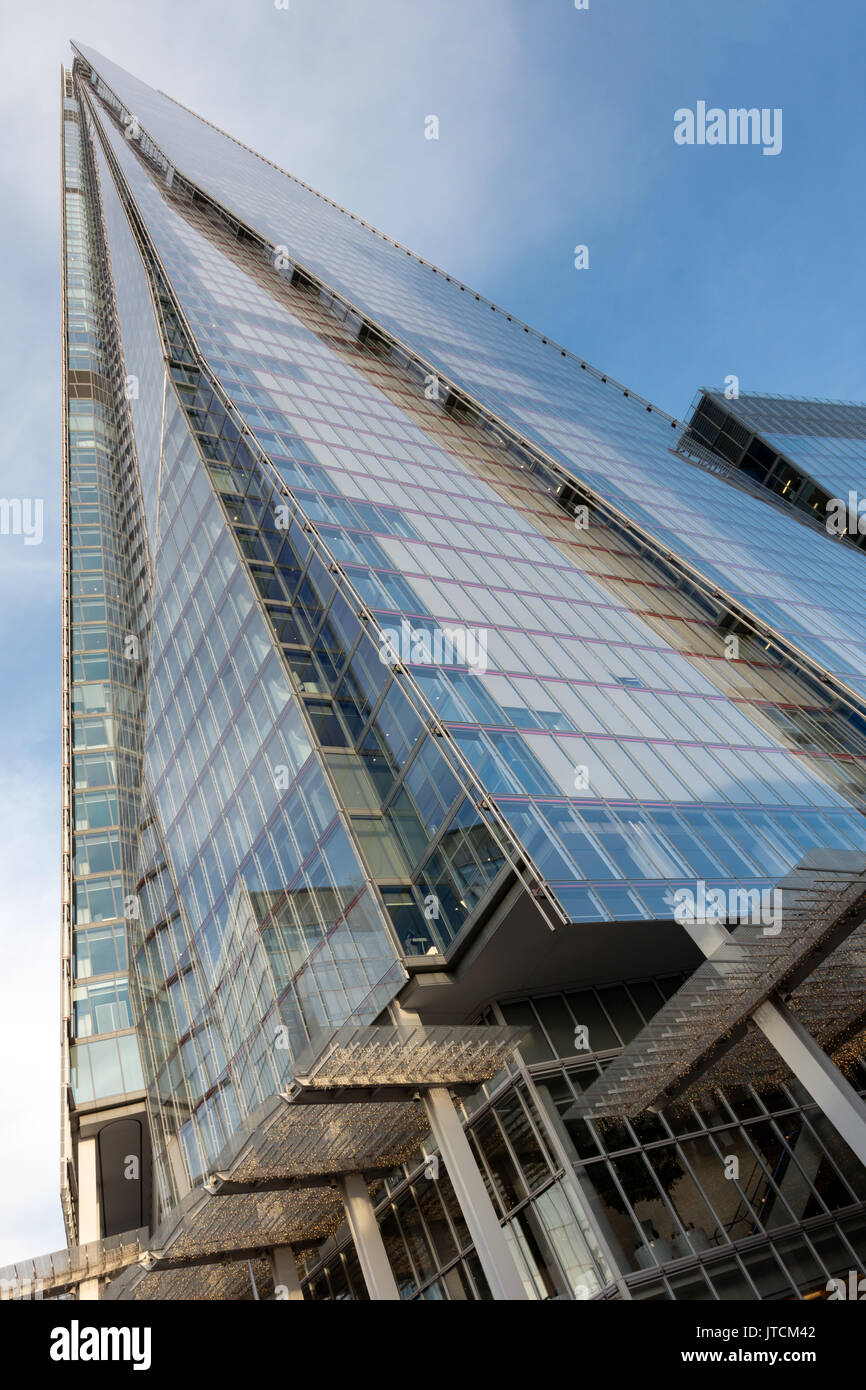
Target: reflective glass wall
(105,703)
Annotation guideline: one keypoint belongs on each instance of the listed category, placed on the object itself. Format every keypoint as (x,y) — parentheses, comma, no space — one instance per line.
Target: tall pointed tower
(433,707)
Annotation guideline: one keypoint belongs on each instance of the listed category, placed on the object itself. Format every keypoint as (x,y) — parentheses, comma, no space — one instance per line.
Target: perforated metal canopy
(813,952)
(273,1184)
(392,1062)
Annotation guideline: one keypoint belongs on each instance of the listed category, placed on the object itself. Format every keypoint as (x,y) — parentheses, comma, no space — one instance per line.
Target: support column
(369,1245)
(285,1273)
(488,1237)
(88,1208)
(821,1077)
(479,1213)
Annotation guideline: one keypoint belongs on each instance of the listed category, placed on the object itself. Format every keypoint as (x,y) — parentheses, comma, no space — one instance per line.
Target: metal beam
(219,1186)
(302,1091)
(155,1263)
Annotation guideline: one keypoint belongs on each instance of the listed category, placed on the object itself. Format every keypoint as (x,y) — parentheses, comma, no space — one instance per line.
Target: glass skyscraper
(416,673)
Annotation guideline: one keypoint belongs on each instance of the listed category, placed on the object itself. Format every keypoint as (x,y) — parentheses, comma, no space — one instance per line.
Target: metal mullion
(780,1262)
(803,1233)
(347,653)
(531,1002)
(510,1150)
(856,1259)
(789,1150)
(440,1278)
(428,1236)
(415,1275)
(419,1281)
(699,1268)
(743,1196)
(666,1201)
(744,1270)
(478,1149)
(414,1177)
(827,1212)
(523,1101)
(601,1052)
(712,1209)
(410,758)
(828,1157)
(587,1166)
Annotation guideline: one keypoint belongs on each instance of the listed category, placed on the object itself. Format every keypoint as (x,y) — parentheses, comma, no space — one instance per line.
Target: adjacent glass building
(414,671)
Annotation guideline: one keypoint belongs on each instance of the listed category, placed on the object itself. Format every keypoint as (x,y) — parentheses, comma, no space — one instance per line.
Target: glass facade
(579,418)
(426,614)
(105,590)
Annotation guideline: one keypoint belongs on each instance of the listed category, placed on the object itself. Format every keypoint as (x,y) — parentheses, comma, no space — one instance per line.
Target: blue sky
(555,129)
